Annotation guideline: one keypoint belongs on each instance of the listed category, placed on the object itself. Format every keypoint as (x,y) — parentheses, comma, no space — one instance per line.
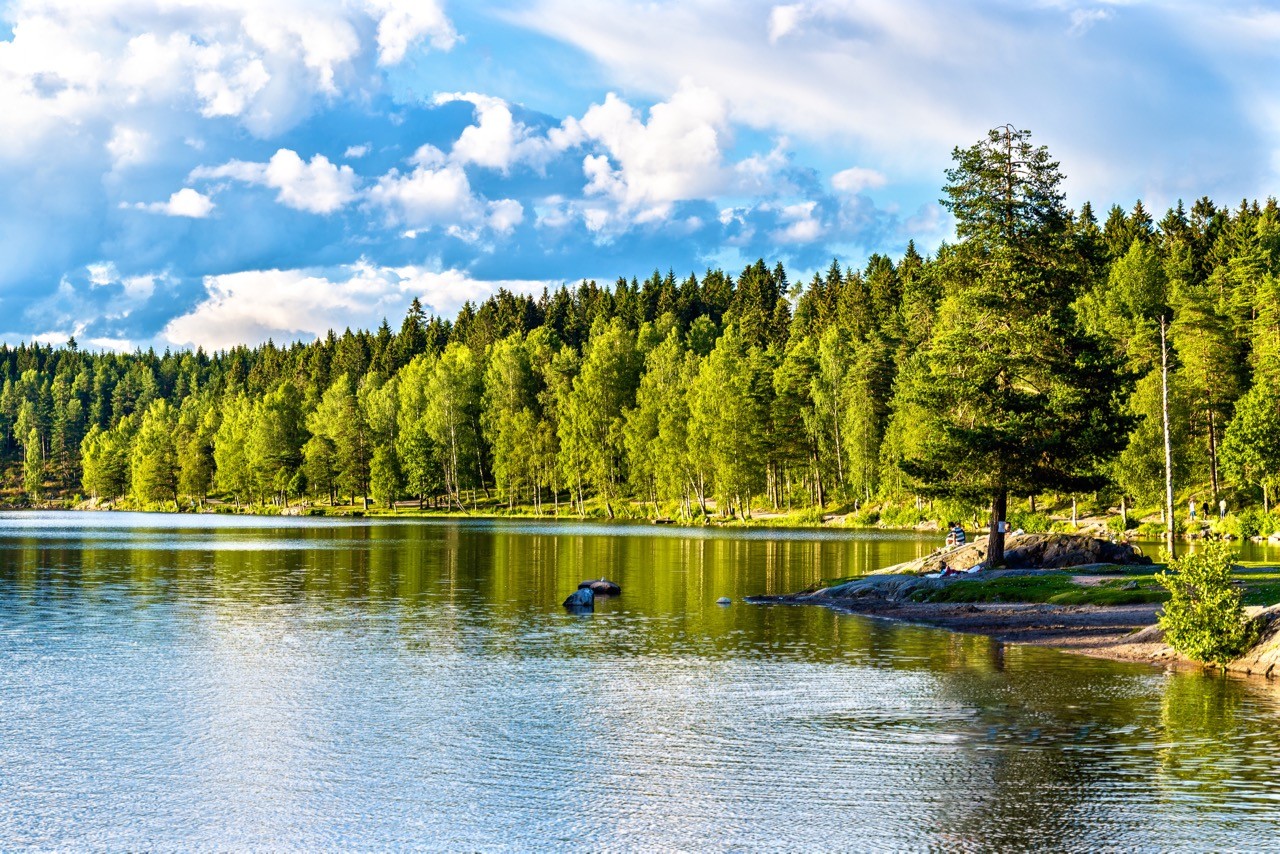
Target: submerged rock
(582,598)
(724,600)
(601,587)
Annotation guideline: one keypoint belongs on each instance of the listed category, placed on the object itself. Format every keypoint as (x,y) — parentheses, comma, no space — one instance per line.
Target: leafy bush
(901,517)
(1204,617)
(1117,524)
(807,516)
(1032,523)
(864,517)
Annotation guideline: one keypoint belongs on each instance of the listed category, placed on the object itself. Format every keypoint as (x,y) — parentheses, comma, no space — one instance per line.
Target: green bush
(1204,617)
(1117,524)
(864,517)
(1032,523)
(901,517)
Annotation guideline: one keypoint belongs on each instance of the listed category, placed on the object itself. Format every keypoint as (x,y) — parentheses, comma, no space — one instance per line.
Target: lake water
(224,683)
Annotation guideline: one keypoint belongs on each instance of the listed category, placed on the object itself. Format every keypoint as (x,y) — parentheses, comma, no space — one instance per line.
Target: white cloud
(647,166)
(404,23)
(857,179)
(898,83)
(505,215)
(128,146)
(185,203)
(1083,20)
(252,306)
(83,68)
(801,225)
(317,187)
(783,20)
(428,197)
(496,140)
(355,152)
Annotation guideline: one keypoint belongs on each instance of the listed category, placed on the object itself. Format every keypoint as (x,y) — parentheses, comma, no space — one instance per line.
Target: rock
(724,600)
(581,599)
(601,587)
(1031,551)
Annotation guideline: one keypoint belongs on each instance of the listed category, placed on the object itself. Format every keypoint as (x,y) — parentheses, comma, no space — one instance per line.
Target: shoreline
(1125,633)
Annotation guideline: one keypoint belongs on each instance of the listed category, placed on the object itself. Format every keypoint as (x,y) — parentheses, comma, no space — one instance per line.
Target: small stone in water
(723,600)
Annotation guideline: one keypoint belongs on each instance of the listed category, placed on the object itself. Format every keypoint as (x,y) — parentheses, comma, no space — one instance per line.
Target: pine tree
(1016,398)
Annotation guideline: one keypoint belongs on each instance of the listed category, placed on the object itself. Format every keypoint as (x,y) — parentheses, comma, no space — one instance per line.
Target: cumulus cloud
(857,179)
(900,82)
(185,202)
(427,197)
(646,166)
(75,66)
(252,306)
(404,23)
(496,140)
(505,215)
(318,187)
(783,20)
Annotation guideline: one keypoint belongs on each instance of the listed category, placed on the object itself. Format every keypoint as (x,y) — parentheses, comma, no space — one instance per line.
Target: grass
(1133,585)
(1051,588)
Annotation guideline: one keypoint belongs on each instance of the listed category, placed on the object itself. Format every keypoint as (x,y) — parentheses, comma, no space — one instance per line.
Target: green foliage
(1204,617)
(1250,522)
(1010,396)
(1000,366)
(901,516)
(1032,523)
(1119,524)
(864,517)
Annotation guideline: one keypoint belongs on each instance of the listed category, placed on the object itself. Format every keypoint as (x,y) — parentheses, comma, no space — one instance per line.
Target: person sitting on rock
(958,533)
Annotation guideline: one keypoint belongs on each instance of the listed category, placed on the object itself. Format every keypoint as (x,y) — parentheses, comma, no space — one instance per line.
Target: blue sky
(184,173)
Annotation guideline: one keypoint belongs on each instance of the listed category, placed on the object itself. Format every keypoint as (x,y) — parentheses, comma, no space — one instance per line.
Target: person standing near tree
(1222,508)
(1191,505)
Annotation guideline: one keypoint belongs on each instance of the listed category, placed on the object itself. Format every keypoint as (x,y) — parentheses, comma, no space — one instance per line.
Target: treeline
(737,392)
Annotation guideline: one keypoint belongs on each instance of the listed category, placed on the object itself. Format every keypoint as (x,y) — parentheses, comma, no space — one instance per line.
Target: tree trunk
(1124,513)
(1213,457)
(1168,446)
(995,534)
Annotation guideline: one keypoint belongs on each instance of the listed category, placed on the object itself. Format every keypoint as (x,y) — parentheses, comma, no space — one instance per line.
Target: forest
(1021,360)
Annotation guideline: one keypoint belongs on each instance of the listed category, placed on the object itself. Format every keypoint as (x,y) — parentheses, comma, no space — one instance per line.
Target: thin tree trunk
(1213,457)
(1168,447)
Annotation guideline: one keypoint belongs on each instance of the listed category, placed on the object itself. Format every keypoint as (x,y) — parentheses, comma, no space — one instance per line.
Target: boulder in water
(601,587)
(724,600)
(581,598)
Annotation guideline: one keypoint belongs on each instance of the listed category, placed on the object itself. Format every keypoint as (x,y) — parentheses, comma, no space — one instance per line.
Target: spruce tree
(1014,396)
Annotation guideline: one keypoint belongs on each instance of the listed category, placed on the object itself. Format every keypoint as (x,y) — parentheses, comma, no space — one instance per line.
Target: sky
(181,173)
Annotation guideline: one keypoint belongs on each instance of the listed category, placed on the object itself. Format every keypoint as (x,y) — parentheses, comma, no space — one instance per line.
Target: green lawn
(1132,585)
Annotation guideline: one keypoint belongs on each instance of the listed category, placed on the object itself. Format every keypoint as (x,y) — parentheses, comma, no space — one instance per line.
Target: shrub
(1204,617)
(901,517)
(1032,523)
(1117,524)
(865,517)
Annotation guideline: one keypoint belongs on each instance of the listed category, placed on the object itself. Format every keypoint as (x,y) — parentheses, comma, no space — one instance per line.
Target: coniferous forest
(1021,360)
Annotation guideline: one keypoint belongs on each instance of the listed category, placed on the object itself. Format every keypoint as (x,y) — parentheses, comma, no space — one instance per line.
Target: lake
(184,682)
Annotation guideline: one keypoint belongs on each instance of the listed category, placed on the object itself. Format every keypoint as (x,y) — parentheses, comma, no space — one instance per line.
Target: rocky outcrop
(1030,551)
(1264,657)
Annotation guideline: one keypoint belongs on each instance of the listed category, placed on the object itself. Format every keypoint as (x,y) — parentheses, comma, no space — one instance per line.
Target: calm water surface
(210,682)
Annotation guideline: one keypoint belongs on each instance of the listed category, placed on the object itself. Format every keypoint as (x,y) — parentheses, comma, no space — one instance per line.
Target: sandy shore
(1121,633)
